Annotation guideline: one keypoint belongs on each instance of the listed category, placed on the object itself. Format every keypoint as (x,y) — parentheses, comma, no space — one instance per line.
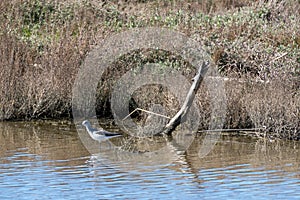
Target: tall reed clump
(275,105)
(41,51)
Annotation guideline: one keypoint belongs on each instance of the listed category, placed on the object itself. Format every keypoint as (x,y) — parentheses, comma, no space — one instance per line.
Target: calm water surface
(48,161)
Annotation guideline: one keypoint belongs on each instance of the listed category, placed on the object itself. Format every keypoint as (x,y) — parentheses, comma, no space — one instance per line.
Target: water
(48,161)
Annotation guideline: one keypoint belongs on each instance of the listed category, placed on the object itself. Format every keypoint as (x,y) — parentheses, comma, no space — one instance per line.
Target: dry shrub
(204,104)
(35,85)
(205,6)
(37,74)
(237,115)
(275,105)
(146,95)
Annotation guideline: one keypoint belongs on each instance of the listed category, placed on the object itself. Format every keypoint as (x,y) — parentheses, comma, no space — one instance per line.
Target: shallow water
(48,161)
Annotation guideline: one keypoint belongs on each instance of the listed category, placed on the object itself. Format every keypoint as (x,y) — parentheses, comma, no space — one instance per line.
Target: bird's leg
(100,146)
(109,144)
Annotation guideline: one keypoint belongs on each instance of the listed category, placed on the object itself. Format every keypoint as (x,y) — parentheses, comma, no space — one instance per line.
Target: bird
(99,135)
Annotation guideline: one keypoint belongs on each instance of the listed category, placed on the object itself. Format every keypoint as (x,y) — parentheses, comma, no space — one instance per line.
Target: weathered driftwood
(182,113)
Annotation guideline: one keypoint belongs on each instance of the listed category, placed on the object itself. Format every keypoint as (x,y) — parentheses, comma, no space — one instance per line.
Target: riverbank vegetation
(256,44)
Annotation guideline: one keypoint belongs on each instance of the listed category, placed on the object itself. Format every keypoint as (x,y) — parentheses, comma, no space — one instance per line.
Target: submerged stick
(147,111)
(232,130)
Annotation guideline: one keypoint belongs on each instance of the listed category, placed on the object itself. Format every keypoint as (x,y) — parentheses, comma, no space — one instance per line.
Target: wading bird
(99,135)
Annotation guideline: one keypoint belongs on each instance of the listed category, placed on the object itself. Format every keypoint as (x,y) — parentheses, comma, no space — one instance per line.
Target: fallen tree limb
(182,113)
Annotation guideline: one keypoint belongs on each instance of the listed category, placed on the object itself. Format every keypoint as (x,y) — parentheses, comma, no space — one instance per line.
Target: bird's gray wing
(106,133)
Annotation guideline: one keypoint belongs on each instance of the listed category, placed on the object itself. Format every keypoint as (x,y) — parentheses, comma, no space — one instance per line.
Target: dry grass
(43,43)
